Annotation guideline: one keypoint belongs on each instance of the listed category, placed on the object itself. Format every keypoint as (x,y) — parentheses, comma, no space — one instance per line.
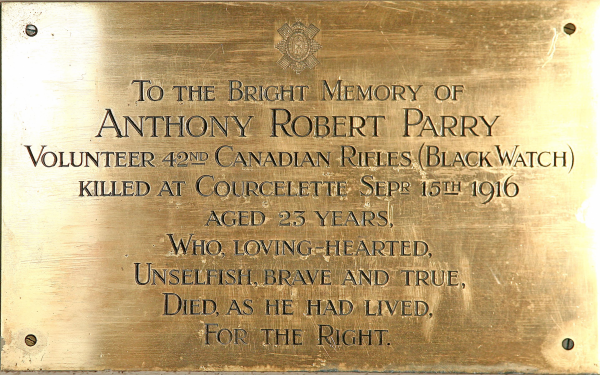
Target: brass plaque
(365,186)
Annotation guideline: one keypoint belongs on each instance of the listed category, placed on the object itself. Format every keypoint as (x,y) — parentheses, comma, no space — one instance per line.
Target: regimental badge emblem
(298,46)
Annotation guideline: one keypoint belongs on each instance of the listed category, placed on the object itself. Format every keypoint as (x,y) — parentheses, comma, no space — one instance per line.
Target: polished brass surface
(369,186)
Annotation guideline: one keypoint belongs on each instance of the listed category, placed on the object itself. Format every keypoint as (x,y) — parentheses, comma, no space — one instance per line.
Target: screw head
(568,344)
(30,340)
(31,30)
(569,29)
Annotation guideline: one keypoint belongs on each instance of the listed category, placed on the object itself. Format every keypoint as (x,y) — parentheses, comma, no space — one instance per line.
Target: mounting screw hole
(30,340)
(568,344)
(569,29)
(31,30)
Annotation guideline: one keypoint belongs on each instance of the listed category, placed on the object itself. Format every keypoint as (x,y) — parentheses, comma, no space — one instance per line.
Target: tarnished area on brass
(364,186)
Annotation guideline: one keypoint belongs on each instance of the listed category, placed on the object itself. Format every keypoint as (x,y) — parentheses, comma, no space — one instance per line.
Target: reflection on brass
(369,186)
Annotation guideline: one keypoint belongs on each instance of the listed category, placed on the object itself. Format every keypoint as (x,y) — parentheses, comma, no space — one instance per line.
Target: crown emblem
(298,46)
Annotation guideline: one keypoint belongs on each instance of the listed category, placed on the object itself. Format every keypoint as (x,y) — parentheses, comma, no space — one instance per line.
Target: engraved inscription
(419,201)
